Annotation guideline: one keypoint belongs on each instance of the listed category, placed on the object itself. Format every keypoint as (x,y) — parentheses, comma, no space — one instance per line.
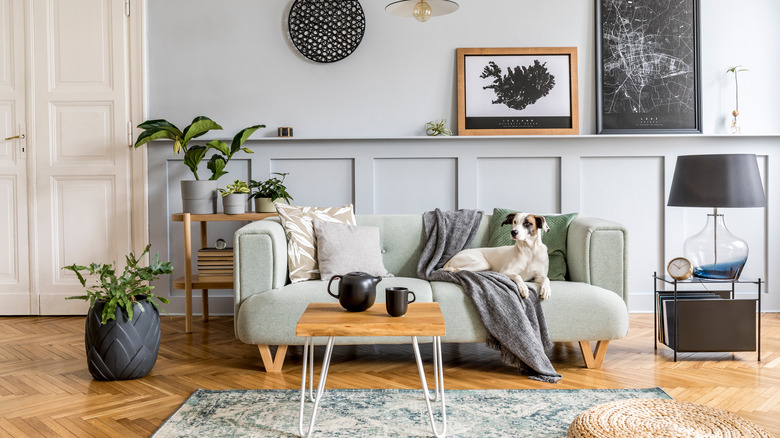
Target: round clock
(326,30)
(680,268)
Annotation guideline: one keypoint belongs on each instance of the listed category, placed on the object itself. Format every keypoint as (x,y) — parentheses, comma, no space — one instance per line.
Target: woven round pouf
(660,418)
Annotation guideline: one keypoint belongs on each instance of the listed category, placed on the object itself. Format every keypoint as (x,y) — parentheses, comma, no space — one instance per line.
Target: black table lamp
(728,181)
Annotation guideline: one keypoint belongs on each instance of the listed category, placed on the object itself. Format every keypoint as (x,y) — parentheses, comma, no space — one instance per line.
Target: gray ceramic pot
(235,203)
(199,197)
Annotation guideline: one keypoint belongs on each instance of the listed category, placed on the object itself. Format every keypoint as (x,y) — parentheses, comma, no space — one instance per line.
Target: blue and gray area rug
(389,412)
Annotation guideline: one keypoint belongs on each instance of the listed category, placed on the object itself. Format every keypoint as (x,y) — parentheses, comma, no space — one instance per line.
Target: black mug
(397,299)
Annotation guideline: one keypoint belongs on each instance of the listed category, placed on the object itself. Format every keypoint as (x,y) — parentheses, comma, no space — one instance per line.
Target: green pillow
(555,239)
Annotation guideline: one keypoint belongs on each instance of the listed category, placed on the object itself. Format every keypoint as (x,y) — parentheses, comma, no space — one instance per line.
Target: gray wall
(233,61)
(358,121)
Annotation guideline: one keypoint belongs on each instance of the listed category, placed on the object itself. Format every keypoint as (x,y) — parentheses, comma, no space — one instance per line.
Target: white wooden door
(73,189)
(82,183)
(15,297)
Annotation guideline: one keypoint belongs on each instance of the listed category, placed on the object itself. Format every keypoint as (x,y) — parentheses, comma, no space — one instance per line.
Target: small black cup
(397,299)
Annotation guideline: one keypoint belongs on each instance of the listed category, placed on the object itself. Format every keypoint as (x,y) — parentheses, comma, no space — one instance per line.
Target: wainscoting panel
(414,185)
(620,178)
(317,182)
(636,202)
(531,185)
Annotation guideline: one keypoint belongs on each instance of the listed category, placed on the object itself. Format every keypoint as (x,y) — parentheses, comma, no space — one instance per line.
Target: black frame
(660,121)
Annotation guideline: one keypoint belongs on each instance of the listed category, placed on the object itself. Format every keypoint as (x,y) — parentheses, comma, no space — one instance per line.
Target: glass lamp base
(714,252)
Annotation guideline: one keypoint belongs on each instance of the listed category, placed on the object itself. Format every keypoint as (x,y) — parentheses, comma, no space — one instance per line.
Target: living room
(359,138)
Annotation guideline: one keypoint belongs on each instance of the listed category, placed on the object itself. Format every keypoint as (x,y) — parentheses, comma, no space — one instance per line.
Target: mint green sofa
(591,306)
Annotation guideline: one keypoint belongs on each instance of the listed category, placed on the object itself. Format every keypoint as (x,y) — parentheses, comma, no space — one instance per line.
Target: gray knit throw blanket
(516,325)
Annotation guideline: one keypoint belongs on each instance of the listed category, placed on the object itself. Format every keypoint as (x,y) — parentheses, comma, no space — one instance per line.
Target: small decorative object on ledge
(434,128)
(326,30)
(735,127)
(285,131)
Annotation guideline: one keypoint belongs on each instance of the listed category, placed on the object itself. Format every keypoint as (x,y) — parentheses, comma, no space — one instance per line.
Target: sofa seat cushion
(269,318)
(570,313)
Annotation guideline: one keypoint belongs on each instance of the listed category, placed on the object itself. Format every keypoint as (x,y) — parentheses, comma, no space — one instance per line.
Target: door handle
(20,136)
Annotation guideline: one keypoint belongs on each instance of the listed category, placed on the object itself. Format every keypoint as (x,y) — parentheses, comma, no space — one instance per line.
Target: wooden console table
(190,281)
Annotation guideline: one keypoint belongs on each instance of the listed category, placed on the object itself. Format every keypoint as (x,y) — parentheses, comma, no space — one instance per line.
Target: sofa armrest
(260,259)
(597,254)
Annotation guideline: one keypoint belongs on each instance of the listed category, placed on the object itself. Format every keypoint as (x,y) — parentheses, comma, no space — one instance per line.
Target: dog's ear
(541,222)
(509,219)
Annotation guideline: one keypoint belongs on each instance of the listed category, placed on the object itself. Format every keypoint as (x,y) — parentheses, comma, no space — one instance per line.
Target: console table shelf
(696,322)
(191,281)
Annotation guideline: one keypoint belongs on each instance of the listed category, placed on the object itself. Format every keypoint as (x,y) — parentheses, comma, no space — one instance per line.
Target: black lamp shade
(729,181)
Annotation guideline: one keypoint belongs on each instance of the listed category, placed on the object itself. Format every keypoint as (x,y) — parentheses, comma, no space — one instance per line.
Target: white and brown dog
(526,260)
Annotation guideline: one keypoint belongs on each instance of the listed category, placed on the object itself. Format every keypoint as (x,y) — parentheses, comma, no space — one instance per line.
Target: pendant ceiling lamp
(421,10)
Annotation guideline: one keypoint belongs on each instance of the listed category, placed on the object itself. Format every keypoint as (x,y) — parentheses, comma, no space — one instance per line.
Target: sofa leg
(272,364)
(594,360)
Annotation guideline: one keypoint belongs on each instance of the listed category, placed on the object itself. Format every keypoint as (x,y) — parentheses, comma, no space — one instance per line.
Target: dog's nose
(514,233)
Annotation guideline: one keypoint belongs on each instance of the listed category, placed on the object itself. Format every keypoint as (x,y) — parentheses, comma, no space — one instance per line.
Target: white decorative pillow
(343,248)
(301,242)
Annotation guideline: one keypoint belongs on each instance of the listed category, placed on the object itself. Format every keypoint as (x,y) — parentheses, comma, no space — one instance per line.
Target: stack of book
(215,264)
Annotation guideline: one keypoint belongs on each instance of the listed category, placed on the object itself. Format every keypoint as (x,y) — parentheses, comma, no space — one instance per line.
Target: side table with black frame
(725,324)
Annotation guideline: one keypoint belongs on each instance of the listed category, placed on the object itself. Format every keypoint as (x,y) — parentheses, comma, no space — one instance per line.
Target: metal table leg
(438,375)
(308,353)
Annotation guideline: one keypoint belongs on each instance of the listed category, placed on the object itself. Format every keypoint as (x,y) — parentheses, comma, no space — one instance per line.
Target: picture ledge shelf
(516,137)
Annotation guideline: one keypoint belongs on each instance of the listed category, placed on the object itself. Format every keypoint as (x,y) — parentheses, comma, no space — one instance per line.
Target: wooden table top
(330,319)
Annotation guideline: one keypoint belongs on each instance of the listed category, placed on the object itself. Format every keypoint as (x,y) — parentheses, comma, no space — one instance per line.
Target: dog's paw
(523,289)
(544,292)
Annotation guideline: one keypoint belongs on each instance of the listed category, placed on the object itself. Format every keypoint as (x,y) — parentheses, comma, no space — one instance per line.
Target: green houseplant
(268,191)
(234,197)
(197,198)
(122,329)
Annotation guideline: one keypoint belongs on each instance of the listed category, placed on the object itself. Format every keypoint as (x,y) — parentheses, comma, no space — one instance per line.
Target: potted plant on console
(234,197)
(268,191)
(122,330)
(198,196)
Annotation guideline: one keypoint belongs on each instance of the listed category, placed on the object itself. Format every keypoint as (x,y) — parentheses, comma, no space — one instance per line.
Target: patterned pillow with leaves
(301,241)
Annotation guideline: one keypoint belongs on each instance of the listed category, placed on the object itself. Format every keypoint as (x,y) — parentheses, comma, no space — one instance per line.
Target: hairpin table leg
(438,375)
(308,353)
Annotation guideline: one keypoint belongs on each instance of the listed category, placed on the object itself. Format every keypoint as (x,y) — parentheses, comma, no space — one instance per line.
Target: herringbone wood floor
(46,390)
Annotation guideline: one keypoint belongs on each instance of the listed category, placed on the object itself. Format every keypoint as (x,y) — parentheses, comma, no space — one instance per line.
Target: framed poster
(648,62)
(517,91)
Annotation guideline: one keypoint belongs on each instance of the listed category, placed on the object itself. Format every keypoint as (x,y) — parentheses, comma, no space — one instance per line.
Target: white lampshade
(405,8)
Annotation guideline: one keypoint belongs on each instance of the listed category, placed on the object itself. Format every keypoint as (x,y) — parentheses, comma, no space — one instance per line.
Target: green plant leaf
(216,165)
(149,135)
(220,146)
(199,126)
(193,157)
(242,137)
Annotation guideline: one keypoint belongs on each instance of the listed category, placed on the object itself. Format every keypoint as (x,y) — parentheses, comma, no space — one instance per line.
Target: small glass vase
(716,253)
(735,126)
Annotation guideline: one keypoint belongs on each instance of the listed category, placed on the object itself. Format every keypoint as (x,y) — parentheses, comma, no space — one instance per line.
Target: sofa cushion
(344,248)
(270,317)
(574,312)
(555,239)
(301,242)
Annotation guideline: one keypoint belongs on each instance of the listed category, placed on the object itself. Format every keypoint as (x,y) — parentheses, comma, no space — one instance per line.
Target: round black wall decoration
(326,30)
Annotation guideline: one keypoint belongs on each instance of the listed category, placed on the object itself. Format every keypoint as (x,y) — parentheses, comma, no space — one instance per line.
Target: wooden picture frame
(496,94)
(648,67)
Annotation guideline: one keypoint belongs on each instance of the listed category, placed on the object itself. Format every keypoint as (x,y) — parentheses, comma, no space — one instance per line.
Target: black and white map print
(648,65)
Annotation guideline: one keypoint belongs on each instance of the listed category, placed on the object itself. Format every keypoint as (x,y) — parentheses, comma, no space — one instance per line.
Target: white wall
(233,61)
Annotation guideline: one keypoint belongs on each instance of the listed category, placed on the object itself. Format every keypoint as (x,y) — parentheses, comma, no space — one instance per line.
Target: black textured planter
(122,349)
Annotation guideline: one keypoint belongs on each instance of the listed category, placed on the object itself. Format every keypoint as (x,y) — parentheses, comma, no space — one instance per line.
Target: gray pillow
(344,248)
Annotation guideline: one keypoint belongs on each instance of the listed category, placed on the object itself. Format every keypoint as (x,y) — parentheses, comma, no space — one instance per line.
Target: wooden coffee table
(331,320)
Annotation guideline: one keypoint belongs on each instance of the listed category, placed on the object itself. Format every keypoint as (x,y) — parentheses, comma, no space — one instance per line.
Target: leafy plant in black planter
(269,191)
(194,155)
(122,330)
